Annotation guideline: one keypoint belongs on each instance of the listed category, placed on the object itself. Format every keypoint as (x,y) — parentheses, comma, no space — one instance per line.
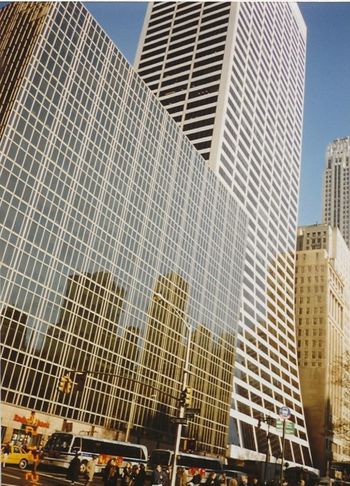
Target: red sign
(31,422)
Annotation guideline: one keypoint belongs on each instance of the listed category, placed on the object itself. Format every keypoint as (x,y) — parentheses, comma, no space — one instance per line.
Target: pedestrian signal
(80,379)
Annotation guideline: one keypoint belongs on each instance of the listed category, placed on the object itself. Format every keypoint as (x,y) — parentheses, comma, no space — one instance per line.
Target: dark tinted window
(59,442)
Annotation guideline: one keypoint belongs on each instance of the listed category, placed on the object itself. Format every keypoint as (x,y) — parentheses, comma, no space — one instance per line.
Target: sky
(327,88)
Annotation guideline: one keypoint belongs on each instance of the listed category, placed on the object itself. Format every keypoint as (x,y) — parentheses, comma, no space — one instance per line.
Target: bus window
(59,442)
(164,458)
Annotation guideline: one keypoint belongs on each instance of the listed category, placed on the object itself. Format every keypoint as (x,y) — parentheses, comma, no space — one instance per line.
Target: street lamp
(184,384)
(269,421)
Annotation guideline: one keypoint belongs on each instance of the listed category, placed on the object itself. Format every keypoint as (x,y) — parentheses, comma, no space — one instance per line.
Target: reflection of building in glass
(323,325)
(91,313)
(105,203)
(231,74)
(13,326)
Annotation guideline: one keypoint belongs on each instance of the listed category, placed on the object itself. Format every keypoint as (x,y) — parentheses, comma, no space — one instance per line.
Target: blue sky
(327,89)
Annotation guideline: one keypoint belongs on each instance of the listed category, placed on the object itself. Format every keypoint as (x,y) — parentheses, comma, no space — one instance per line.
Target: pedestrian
(158,476)
(36,453)
(213,479)
(5,453)
(126,475)
(181,477)
(141,477)
(111,472)
(133,479)
(112,475)
(243,480)
(74,468)
(197,478)
(232,482)
(90,469)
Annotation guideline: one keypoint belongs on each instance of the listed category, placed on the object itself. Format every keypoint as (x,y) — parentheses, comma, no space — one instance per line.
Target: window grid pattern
(322,302)
(105,204)
(255,110)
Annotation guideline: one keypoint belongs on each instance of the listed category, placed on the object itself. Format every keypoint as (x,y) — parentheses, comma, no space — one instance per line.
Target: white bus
(194,464)
(61,447)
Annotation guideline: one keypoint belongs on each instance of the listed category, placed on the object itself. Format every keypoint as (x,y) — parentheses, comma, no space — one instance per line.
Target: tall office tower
(232,77)
(323,327)
(115,239)
(336,187)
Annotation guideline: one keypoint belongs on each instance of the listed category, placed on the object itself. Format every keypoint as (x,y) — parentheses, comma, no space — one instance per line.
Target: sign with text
(289,426)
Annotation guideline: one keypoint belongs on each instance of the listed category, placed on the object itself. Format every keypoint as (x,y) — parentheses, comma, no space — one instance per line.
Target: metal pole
(282,458)
(131,418)
(182,409)
(267,450)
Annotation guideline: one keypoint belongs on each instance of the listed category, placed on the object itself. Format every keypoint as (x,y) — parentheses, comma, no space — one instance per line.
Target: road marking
(57,477)
(10,475)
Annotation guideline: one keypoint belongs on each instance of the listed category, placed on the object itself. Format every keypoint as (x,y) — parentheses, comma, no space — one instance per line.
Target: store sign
(33,422)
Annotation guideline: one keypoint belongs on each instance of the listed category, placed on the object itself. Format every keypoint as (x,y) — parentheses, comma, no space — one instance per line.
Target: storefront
(27,431)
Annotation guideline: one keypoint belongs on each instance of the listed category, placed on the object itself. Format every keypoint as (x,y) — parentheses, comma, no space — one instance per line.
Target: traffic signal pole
(81,381)
(283,445)
(182,405)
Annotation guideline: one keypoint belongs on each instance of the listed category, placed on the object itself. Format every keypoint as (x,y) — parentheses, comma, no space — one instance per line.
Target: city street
(13,476)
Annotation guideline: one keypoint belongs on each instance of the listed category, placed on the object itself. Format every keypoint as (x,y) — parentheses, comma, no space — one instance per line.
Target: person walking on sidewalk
(90,470)
(74,469)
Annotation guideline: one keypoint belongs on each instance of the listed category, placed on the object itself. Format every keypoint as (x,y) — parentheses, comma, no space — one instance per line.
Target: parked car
(17,456)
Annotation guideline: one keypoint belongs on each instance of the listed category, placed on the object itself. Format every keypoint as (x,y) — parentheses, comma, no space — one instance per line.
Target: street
(13,476)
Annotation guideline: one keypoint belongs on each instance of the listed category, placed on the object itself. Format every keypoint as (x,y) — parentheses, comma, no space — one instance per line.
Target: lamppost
(269,421)
(181,415)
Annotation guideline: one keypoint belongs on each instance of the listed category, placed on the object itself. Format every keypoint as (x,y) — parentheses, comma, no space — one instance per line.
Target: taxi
(17,456)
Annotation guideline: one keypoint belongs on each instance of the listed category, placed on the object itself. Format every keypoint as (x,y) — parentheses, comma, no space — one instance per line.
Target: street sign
(179,420)
(284,413)
(192,412)
(289,426)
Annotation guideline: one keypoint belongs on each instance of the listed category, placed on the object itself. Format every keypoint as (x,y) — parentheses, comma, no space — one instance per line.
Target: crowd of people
(112,474)
(135,475)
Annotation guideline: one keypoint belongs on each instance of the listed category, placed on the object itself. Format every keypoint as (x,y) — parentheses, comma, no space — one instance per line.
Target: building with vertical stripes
(232,77)
(322,303)
(115,237)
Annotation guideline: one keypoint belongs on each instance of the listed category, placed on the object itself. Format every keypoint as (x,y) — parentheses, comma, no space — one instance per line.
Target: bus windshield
(59,442)
(161,457)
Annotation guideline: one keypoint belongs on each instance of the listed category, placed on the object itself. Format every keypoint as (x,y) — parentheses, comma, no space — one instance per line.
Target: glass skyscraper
(231,74)
(105,206)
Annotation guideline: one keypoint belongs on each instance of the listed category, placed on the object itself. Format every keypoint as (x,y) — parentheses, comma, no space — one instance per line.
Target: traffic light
(80,379)
(65,385)
(186,397)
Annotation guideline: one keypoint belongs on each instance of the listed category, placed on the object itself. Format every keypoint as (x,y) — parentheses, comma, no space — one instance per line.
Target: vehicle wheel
(23,463)
(83,467)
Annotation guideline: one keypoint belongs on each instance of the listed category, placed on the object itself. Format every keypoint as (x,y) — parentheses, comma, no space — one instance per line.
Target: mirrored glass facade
(114,238)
